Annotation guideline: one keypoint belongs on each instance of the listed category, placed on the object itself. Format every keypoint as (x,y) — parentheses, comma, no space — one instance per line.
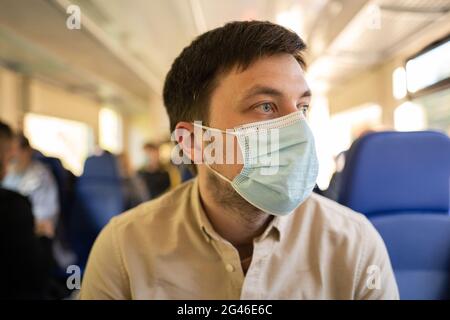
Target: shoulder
(328,223)
(37,173)
(14,204)
(8,195)
(13,198)
(143,232)
(158,214)
(346,240)
(38,168)
(336,218)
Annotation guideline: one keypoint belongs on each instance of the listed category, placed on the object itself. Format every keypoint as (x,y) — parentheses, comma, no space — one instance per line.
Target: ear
(190,141)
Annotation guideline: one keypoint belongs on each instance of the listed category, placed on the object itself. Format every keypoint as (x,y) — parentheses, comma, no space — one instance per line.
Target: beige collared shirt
(167,249)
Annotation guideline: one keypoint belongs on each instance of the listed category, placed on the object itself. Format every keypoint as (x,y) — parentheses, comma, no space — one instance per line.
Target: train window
(335,133)
(350,124)
(409,116)
(429,68)
(436,107)
(110,127)
(68,140)
(399,83)
(319,119)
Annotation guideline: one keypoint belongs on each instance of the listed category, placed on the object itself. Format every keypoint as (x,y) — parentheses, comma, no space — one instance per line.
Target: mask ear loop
(214,129)
(217,173)
(205,162)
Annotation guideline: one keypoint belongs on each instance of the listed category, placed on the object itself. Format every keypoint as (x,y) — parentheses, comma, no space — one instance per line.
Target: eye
(304,108)
(266,107)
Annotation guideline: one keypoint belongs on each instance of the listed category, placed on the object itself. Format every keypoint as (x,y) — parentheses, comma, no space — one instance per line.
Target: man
(156,178)
(24,263)
(235,232)
(33,179)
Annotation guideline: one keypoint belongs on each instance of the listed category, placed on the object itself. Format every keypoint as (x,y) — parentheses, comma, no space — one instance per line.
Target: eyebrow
(258,89)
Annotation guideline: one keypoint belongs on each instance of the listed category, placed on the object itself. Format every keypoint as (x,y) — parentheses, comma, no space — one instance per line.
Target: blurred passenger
(33,179)
(185,173)
(24,262)
(332,192)
(156,178)
(134,188)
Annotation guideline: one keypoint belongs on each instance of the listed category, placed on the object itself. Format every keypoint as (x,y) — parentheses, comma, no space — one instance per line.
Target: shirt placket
(251,287)
(231,264)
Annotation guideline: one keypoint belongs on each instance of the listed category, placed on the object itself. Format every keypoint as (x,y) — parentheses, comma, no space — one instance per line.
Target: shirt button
(229,267)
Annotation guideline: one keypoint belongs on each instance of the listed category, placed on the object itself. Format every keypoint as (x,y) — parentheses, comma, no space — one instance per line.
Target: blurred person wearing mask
(24,262)
(134,188)
(33,179)
(156,178)
(241,230)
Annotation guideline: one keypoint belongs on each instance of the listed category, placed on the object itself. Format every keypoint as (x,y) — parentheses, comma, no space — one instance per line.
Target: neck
(238,227)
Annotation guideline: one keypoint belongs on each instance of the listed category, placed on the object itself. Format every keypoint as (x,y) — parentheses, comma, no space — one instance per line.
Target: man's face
(20,156)
(271,87)
(152,155)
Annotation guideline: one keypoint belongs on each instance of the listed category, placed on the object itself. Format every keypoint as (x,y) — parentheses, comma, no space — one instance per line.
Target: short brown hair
(23,141)
(194,72)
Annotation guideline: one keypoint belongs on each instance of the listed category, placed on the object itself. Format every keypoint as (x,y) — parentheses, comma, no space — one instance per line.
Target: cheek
(231,163)
(229,170)
(235,169)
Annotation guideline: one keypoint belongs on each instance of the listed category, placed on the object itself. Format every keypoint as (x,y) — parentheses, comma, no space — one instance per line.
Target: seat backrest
(419,248)
(100,201)
(98,198)
(99,189)
(397,172)
(103,166)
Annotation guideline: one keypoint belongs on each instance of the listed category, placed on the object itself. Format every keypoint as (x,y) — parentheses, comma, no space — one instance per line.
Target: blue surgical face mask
(276,178)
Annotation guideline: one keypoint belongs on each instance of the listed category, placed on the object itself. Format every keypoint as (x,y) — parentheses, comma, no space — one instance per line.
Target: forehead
(279,64)
(281,72)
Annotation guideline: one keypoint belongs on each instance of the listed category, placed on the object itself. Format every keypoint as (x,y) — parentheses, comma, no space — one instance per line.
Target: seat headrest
(397,172)
(103,166)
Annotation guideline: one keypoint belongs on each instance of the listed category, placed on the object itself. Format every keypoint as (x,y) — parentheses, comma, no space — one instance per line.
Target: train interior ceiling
(373,66)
